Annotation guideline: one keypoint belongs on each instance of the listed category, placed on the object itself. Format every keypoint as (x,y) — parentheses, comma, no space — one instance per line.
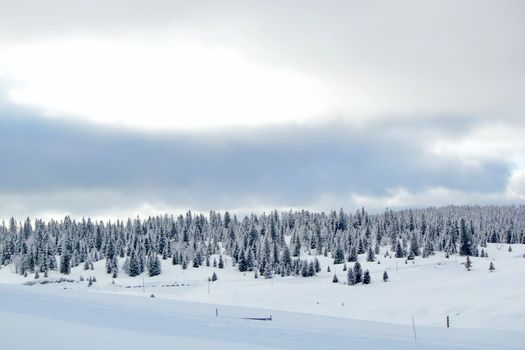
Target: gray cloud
(288,165)
(434,70)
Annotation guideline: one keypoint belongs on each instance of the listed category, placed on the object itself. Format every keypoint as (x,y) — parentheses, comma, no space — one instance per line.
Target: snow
(55,317)
(487,310)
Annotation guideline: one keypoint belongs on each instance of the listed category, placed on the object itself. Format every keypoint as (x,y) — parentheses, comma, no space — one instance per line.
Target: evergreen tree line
(267,244)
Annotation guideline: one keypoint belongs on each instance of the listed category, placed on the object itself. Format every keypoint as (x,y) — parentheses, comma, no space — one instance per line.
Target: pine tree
(214,277)
(65,264)
(242,262)
(335,279)
(311,269)
(468,264)
(350,278)
(358,273)
(352,257)
(339,256)
(132,265)
(221,262)
(370,256)
(491,267)
(400,252)
(465,240)
(195,261)
(414,245)
(366,277)
(286,261)
(175,259)
(304,269)
(317,265)
(154,265)
(360,247)
(250,261)
(385,276)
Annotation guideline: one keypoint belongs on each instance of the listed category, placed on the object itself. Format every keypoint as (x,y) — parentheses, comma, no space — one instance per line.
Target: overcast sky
(116,108)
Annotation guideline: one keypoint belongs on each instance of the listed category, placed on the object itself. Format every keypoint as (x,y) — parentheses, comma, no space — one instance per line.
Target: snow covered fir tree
(267,245)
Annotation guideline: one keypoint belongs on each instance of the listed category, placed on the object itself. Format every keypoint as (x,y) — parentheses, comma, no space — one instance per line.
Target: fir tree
(414,245)
(468,264)
(317,265)
(65,264)
(370,256)
(195,261)
(242,262)
(339,256)
(311,269)
(352,257)
(400,252)
(358,273)
(465,240)
(154,265)
(350,278)
(286,261)
(366,277)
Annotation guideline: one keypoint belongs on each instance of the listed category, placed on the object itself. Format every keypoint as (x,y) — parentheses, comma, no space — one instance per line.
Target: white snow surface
(486,310)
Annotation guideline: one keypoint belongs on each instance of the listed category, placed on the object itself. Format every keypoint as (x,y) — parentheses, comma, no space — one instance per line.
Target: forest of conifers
(269,243)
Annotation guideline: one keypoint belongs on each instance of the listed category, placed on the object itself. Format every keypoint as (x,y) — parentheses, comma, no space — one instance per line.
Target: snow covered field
(487,310)
(54,318)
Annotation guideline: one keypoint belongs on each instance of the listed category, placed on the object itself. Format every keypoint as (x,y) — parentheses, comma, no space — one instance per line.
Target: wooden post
(448,322)
(414,327)
(216,312)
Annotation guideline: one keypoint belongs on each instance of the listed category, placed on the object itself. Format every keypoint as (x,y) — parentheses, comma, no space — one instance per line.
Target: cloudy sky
(112,108)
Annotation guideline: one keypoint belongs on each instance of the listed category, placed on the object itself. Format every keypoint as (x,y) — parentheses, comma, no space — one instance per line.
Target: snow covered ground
(54,318)
(487,310)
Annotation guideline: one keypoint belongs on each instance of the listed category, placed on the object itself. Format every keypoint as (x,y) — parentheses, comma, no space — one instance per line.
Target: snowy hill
(327,280)
(491,304)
